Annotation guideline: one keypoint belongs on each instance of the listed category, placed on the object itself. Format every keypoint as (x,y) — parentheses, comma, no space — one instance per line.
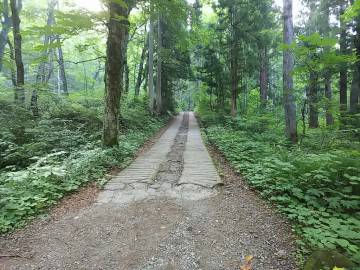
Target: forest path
(178,165)
(165,211)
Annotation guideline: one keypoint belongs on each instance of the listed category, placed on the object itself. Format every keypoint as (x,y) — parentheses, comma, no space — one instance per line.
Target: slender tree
(20,73)
(234,58)
(114,71)
(159,68)
(62,66)
(151,62)
(328,73)
(288,66)
(355,87)
(344,68)
(140,76)
(313,74)
(6,26)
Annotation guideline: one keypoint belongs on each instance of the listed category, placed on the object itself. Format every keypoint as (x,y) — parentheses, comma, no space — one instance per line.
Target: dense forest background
(280,101)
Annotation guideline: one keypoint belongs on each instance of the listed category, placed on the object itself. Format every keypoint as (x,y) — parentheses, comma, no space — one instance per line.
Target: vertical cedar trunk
(62,67)
(113,73)
(233,64)
(151,63)
(125,44)
(263,78)
(158,69)
(328,95)
(354,92)
(355,87)
(313,101)
(12,57)
(141,69)
(288,66)
(20,73)
(327,76)
(126,66)
(145,77)
(313,77)
(6,26)
(343,68)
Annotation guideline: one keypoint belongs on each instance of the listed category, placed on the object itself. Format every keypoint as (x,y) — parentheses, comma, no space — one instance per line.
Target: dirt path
(162,212)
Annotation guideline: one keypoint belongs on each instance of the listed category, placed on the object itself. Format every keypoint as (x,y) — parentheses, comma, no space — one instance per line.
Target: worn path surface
(167,210)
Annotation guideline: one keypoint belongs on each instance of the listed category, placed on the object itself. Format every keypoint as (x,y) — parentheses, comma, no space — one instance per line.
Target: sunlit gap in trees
(297,9)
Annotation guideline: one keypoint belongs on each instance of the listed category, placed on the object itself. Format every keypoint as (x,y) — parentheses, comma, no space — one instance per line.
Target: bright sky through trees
(92,5)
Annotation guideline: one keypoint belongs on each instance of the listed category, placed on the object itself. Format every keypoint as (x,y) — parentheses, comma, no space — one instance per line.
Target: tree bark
(20,73)
(141,69)
(113,73)
(62,67)
(263,78)
(355,87)
(288,66)
(313,101)
(126,66)
(6,26)
(328,75)
(151,63)
(343,67)
(355,92)
(313,77)
(158,69)
(234,55)
(12,57)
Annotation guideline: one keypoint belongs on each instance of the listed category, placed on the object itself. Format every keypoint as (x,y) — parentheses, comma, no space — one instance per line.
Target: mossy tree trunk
(288,66)
(114,70)
(20,73)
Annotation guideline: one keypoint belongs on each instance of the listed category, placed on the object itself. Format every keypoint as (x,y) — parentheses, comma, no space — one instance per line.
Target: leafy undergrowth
(315,183)
(42,160)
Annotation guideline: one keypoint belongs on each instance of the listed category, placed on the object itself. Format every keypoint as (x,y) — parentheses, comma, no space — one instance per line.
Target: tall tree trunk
(313,101)
(288,66)
(20,73)
(355,87)
(126,66)
(151,63)
(158,69)
(355,92)
(62,67)
(234,55)
(113,73)
(12,57)
(313,77)
(141,68)
(263,77)
(343,67)
(328,95)
(6,26)
(328,75)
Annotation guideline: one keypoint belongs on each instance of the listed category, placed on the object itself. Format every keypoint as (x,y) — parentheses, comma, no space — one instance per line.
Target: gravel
(162,232)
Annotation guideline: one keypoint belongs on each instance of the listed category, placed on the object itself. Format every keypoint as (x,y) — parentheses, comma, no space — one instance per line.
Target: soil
(217,232)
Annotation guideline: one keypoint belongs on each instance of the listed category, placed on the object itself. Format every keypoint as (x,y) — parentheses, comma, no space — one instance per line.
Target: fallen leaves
(249,258)
(247,266)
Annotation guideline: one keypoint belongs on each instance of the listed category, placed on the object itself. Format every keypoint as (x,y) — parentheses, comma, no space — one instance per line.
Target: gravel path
(165,211)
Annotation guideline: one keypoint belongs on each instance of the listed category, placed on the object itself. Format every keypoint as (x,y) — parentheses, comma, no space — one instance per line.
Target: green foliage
(60,152)
(316,183)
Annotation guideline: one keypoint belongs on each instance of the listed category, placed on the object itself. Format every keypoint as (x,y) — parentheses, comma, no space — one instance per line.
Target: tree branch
(85,61)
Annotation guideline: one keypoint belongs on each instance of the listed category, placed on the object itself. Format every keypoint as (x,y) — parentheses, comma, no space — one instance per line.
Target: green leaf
(342,242)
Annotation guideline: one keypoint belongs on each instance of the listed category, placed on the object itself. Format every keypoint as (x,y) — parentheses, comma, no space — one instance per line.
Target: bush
(58,153)
(316,183)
